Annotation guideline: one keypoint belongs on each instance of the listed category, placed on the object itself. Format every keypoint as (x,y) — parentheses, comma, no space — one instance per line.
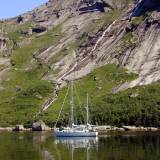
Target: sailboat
(73,130)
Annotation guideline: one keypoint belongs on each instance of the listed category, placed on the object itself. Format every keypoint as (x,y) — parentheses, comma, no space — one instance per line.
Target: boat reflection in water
(75,143)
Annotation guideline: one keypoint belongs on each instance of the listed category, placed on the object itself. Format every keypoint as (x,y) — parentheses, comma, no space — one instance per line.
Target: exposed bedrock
(139,54)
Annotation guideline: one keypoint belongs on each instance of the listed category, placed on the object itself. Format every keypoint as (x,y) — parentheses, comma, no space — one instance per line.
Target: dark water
(43,146)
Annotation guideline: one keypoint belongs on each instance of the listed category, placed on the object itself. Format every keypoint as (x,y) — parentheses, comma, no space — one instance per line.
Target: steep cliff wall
(133,43)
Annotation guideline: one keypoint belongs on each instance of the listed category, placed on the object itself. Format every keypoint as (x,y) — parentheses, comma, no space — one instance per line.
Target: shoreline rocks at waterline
(134,128)
(40,126)
(19,128)
(107,128)
(8,129)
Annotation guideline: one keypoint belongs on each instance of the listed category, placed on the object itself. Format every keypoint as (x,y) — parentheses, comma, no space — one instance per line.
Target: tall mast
(87,120)
(72,105)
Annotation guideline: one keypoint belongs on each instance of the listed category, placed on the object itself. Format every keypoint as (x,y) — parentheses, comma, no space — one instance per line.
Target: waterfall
(101,38)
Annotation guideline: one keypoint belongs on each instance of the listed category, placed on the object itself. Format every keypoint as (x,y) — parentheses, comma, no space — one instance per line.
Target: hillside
(110,47)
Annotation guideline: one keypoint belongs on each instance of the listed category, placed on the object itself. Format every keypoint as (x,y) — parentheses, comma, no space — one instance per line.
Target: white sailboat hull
(75,134)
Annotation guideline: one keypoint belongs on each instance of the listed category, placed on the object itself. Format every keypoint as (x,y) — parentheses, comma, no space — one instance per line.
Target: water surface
(43,146)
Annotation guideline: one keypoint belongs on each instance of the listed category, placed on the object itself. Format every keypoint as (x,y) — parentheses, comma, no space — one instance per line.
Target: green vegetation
(137,106)
(107,19)
(14,31)
(111,15)
(1,67)
(20,103)
(23,90)
(65,51)
(21,56)
(127,42)
(98,84)
(137,20)
(127,39)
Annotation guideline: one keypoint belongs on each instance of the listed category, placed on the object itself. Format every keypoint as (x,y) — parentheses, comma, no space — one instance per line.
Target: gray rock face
(107,45)
(94,5)
(140,56)
(40,126)
(2,43)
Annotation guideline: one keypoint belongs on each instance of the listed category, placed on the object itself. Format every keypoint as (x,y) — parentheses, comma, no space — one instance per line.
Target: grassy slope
(24,90)
(98,84)
(137,106)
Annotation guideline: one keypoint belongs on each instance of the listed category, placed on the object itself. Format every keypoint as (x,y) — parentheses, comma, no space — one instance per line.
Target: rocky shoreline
(37,126)
(106,129)
(40,126)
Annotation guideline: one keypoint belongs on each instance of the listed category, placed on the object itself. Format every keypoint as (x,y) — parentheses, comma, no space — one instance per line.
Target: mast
(72,106)
(88,156)
(87,111)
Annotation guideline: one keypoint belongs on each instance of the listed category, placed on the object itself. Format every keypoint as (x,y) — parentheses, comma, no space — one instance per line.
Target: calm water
(43,146)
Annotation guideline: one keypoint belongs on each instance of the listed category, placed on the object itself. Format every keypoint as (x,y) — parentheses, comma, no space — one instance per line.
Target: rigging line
(62,106)
(80,104)
(90,102)
(79,101)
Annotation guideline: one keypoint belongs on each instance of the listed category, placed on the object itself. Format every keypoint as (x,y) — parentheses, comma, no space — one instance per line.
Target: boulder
(19,128)
(114,128)
(152,129)
(20,19)
(130,128)
(141,129)
(120,129)
(6,129)
(102,128)
(40,126)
